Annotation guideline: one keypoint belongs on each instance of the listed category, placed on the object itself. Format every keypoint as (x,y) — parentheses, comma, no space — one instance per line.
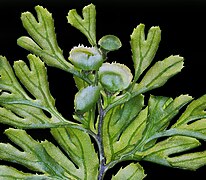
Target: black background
(183,32)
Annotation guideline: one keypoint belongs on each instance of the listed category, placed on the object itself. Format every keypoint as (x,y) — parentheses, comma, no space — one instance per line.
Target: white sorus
(86,58)
(86,98)
(115,77)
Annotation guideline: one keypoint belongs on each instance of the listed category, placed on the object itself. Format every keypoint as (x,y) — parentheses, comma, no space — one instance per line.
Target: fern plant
(113,121)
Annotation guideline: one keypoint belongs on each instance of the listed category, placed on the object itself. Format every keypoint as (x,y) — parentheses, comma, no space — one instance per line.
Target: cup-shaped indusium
(115,77)
(86,58)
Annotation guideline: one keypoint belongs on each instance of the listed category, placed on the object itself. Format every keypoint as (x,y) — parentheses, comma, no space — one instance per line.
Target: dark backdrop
(183,32)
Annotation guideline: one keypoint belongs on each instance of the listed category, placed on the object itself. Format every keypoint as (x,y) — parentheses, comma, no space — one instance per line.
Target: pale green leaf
(145,127)
(177,131)
(144,50)
(42,157)
(10,173)
(118,100)
(195,110)
(80,84)
(22,110)
(87,24)
(9,83)
(43,41)
(161,110)
(43,38)
(160,72)
(195,129)
(25,116)
(190,161)
(198,126)
(115,123)
(78,146)
(34,78)
(133,171)
(160,152)
(131,135)
(165,151)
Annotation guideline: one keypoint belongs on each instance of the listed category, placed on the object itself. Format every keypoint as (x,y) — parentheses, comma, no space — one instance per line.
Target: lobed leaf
(87,25)
(190,161)
(131,135)
(194,111)
(43,41)
(43,157)
(159,73)
(129,131)
(161,110)
(195,129)
(166,153)
(9,83)
(116,121)
(177,131)
(155,77)
(141,128)
(35,80)
(184,138)
(78,146)
(131,172)
(144,50)
(9,173)
(161,151)
(22,110)
(25,116)
(197,126)
(145,127)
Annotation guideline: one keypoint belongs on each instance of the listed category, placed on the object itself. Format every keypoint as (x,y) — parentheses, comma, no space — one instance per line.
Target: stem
(100,143)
